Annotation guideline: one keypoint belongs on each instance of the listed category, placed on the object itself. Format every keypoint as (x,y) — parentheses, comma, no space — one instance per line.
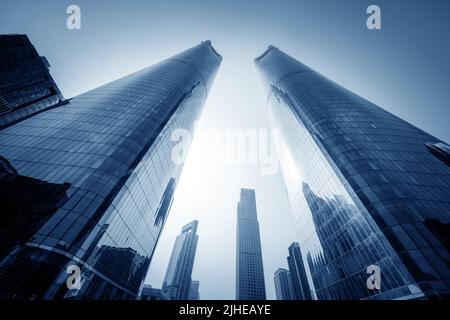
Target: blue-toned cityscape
(224,152)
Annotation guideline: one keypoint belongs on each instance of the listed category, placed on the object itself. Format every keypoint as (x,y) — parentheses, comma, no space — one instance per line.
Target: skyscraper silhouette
(177,283)
(110,151)
(249,264)
(365,186)
(300,283)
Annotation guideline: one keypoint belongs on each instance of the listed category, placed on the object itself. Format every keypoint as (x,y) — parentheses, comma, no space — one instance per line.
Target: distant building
(149,293)
(177,281)
(26,86)
(298,273)
(249,264)
(284,289)
(194,290)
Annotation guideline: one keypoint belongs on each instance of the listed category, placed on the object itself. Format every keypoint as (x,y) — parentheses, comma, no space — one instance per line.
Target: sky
(403,67)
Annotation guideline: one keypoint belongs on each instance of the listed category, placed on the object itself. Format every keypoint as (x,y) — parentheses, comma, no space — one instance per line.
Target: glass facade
(26,86)
(249,264)
(90,183)
(178,279)
(440,150)
(284,289)
(363,186)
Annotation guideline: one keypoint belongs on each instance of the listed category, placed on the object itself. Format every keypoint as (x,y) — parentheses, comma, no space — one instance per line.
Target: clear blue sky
(404,67)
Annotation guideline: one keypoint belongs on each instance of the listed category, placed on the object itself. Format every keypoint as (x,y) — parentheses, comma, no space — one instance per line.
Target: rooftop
(269,48)
(208,42)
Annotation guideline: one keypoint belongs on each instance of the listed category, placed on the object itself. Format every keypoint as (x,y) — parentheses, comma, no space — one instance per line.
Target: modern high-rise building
(284,289)
(249,263)
(194,290)
(300,283)
(150,293)
(26,86)
(364,187)
(178,279)
(89,184)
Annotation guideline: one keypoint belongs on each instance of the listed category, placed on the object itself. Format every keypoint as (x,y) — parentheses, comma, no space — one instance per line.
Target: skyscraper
(178,278)
(194,290)
(364,188)
(99,177)
(300,283)
(249,264)
(26,86)
(284,289)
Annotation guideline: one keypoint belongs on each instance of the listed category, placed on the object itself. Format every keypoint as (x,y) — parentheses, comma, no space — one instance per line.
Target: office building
(26,86)
(149,293)
(99,176)
(364,187)
(178,279)
(300,283)
(249,263)
(284,289)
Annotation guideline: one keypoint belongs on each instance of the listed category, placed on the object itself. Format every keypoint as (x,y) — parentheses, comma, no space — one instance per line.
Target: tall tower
(249,264)
(178,279)
(106,158)
(300,283)
(364,186)
(284,289)
(26,86)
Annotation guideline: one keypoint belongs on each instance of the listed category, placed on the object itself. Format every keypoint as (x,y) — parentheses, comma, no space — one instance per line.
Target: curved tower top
(271,70)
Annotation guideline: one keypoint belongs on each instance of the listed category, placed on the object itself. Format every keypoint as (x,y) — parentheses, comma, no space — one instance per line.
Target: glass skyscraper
(178,279)
(364,187)
(284,289)
(26,86)
(300,283)
(249,264)
(89,184)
